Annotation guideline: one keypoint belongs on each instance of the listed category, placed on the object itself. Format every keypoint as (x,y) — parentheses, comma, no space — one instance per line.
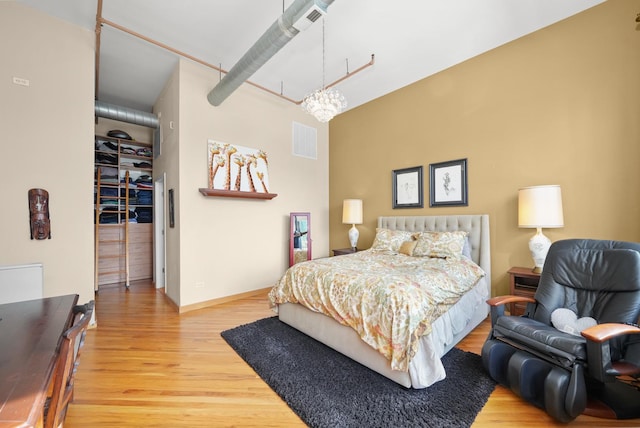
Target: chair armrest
(603,332)
(498,303)
(600,365)
(503,300)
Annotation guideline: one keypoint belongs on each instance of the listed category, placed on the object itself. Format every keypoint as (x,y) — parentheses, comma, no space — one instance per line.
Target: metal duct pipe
(297,17)
(125,114)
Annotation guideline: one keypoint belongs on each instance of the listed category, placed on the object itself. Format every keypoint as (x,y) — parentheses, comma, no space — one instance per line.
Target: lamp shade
(352,211)
(540,207)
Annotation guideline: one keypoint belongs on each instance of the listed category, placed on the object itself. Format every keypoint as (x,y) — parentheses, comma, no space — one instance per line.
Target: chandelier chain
(323,54)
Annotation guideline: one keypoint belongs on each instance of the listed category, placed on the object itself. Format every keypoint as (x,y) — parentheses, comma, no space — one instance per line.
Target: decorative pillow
(566,320)
(388,240)
(466,250)
(439,244)
(407,247)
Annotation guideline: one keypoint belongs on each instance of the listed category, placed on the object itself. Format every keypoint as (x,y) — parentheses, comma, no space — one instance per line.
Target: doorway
(159,237)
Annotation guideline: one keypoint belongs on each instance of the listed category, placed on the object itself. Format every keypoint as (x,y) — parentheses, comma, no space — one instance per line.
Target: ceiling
(411,39)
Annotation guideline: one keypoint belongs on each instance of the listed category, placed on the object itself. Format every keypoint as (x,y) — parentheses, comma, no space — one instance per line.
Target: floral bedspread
(389,299)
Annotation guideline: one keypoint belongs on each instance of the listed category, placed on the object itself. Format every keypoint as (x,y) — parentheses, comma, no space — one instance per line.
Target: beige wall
(166,164)
(229,246)
(560,106)
(47,142)
(225,246)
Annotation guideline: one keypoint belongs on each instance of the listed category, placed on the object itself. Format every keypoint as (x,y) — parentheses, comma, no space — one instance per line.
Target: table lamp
(352,214)
(538,207)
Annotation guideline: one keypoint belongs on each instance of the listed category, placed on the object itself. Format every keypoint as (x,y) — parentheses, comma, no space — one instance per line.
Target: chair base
(615,400)
(559,392)
(546,386)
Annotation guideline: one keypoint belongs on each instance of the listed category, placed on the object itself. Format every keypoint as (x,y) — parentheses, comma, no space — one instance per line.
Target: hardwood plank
(146,365)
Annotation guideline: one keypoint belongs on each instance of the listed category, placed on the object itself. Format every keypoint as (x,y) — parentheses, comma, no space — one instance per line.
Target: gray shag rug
(327,389)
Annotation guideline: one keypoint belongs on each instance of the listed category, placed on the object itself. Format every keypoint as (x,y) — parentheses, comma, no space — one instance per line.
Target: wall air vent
(305,141)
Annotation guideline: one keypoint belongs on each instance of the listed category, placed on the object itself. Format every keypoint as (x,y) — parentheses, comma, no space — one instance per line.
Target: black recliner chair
(595,372)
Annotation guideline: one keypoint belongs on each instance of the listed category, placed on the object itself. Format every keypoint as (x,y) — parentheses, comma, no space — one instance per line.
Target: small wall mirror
(299,238)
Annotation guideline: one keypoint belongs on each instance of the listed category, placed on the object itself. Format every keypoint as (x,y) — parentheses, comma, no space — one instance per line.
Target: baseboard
(218,301)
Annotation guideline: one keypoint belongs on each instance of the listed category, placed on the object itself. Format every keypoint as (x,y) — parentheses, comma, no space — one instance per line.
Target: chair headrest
(590,264)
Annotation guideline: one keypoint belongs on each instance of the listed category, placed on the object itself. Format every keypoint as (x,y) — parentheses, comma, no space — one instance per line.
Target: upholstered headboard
(476,225)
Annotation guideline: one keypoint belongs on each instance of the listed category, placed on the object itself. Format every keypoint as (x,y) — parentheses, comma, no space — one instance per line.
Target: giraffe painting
(237,168)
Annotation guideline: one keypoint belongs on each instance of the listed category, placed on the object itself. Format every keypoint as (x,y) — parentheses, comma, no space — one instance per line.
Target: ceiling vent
(309,18)
(300,15)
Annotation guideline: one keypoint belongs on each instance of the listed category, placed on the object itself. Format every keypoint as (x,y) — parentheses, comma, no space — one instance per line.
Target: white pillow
(566,320)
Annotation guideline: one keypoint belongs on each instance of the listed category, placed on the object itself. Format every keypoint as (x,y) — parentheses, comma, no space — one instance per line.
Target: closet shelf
(123,191)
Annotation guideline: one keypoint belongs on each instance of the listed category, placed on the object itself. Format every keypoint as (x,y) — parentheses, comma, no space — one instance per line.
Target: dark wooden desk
(30,334)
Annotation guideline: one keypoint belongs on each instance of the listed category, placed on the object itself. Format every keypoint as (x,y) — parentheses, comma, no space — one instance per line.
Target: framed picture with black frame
(448,183)
(407,188)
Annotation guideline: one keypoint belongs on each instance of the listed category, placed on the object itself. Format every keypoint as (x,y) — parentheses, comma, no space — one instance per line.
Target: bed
(416,363)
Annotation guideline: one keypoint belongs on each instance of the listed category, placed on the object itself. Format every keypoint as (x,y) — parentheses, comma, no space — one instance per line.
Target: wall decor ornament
(236,171)
(407,187)
(448,183)
(172,215)
(40,223)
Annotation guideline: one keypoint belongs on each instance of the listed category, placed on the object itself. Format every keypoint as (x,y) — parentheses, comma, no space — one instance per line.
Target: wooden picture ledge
(236,194)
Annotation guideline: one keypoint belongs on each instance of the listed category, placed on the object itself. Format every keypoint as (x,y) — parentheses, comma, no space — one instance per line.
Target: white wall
(229,246)
(47,142)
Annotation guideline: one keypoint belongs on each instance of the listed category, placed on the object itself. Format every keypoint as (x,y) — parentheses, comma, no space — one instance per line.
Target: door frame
(159,235)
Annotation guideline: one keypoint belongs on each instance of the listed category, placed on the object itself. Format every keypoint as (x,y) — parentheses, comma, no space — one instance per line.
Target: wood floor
(146,366)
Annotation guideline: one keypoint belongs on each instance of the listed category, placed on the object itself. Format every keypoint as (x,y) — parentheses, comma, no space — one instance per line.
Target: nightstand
(343,251)
(523,282)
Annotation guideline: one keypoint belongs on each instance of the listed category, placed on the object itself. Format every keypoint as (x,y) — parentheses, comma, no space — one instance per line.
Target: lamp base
(539,247)
(353,236)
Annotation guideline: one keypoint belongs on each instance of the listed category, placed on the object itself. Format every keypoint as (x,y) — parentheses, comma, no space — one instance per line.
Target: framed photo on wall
(448,183)
(407,188)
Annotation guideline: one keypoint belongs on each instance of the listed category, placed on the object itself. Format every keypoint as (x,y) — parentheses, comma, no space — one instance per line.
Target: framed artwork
(448,183)
(407,188)
(172,221)
(237,168)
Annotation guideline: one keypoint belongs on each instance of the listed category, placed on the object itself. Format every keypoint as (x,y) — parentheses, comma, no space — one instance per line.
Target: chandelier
(324,103)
